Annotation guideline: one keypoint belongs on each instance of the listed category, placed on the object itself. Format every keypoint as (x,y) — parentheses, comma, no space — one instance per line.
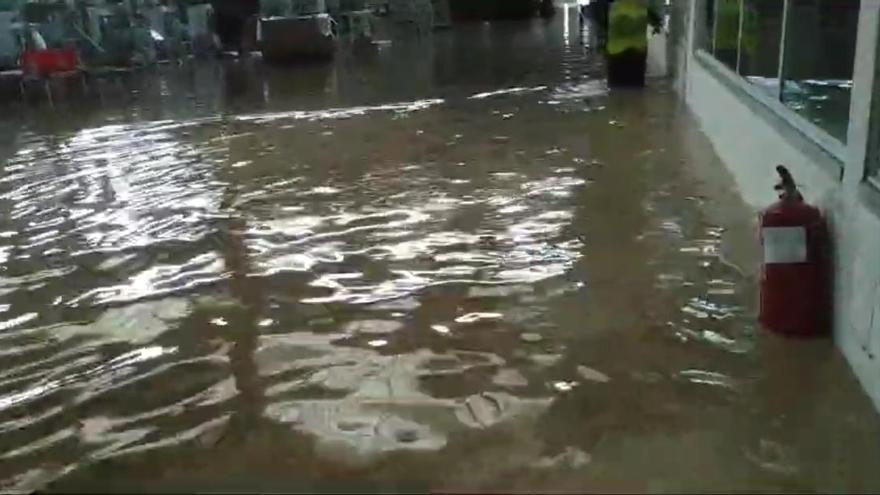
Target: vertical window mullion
(739,35)
(714,27)
(786,6)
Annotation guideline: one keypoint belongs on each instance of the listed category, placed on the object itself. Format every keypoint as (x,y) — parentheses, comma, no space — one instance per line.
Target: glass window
(872,163)
(760,44)
(874,171)
(727,31)
(709,24)
(814,42)
(820,44)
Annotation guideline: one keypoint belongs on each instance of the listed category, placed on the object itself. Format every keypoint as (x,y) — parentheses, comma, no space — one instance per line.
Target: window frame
(783,47)
(773,102)
(872,160)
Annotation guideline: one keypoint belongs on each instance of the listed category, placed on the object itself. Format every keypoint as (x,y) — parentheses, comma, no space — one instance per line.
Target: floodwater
(452,263)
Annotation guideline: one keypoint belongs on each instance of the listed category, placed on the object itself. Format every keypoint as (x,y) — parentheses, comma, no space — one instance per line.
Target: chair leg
(48,92)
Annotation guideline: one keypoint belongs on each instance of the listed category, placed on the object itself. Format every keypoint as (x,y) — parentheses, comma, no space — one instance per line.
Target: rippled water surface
(449,263)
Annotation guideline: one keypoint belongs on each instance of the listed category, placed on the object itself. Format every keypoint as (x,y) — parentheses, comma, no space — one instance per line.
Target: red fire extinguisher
(795,276)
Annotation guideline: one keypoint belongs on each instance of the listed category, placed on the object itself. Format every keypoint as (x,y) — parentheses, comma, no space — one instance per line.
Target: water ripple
(134,259)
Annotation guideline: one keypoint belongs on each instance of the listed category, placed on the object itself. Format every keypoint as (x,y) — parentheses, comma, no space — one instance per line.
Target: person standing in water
(626,47)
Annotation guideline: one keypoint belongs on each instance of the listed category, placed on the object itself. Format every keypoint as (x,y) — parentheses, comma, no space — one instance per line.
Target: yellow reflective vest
(627,26)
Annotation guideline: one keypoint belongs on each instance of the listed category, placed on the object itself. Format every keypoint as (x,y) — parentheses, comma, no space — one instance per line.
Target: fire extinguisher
(795,276)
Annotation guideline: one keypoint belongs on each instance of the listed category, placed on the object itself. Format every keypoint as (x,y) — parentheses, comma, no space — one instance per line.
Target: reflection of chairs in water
(290,38)
(418,14)
(45,66)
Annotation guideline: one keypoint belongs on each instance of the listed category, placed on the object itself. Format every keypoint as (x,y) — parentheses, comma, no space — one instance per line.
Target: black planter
(230,18)
(493,9)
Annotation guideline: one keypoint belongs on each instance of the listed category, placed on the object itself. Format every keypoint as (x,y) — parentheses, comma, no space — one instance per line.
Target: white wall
(858,286)
(752,142)
(751,134)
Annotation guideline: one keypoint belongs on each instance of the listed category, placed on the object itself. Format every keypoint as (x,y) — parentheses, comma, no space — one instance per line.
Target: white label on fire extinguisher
(785,244)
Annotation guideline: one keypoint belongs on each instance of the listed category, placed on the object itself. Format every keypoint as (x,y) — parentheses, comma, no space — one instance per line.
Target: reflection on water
(824,102)
(456,254)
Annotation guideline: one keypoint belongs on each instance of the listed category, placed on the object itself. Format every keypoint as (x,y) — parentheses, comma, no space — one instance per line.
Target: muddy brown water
(452,263)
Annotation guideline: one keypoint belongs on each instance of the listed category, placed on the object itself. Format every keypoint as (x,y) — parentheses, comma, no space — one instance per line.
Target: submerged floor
(452,264)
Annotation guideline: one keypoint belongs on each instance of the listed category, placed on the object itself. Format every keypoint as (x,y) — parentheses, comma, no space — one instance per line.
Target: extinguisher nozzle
(784,174)
(787,187)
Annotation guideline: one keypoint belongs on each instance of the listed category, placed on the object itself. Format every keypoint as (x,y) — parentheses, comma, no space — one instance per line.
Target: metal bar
(714,24)
(780,75)
(739,35)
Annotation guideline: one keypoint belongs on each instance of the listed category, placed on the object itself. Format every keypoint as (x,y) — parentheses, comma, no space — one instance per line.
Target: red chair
(43,63)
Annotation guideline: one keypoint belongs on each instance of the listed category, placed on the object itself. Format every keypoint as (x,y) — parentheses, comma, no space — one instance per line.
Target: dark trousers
(627,69)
